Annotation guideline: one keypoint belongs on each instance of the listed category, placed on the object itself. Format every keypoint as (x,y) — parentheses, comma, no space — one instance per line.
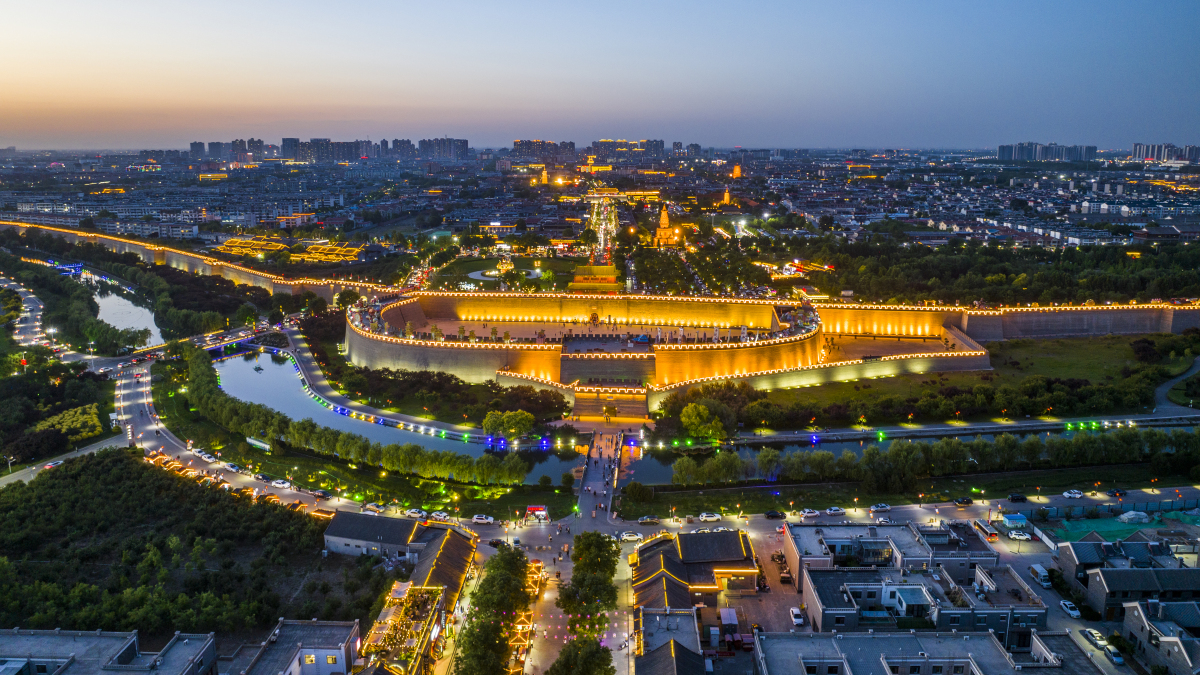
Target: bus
(986,529)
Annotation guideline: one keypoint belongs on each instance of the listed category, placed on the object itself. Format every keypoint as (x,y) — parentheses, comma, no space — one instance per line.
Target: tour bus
(986,529)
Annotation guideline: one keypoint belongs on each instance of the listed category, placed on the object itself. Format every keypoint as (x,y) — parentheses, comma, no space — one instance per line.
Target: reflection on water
(273,381)
(119,312)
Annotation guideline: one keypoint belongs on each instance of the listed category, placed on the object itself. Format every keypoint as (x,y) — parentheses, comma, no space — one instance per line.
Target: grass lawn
(561,267)
(1178,394)
(1094,358)
(357,483)
(991,486)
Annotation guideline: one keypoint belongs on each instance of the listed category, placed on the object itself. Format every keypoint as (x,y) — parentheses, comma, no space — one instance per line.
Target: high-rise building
(290,148)
(653,148)
(677,149)
(693,150)
(1161,152)
(197,150)
(383,148)
(320,149)
(403,148)
(216,150)
(443,148)
(254,146)
(1037,152)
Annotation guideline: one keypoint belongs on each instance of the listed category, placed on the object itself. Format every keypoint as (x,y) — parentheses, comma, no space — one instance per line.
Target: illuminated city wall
(915,322)
(622,308)
(970,357)
(472,363)
(676,363)
(582,367)
(197,263)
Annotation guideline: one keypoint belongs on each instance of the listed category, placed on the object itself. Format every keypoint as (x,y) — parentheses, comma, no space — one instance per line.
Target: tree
(317,305)
(583,657)
(768,463)
(275,316)
(589,238)
(568,480)
(347,298)
(696,421)
(595,553)
(545,481)
(513,424)
(247,314)
(684,471)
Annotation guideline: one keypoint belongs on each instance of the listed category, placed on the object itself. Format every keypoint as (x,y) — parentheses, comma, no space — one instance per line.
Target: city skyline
(765,74)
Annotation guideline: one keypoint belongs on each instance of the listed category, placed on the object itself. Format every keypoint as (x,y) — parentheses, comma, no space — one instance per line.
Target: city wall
(471,362)
(624,309)
(197,263)
(969,356)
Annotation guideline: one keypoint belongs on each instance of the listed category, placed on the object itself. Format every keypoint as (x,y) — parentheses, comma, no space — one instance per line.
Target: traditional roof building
(595,280)
(691,569)
(666,236)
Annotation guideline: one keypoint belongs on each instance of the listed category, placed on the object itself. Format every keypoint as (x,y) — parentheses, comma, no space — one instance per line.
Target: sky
(784,73)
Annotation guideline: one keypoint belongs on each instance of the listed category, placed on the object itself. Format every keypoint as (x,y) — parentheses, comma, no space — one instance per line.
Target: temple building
(666,236)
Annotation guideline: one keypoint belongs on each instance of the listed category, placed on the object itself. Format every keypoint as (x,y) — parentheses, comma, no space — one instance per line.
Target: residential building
(68,652)
(352,533)
(940,653)
(300,648)
(1165,634)
(1108,589)
(859,599)
(442,148)
(953,546)
(290,148)
(197,151)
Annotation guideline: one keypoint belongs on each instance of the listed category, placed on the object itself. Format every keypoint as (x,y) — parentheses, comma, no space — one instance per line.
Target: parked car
(723,529)
(1073,494)
(495,543)
(320,494)
(835,511)
(1017,497)
(233,467)
(880,508)
(1070,608)
(631,536)
(648,520)
(480,519)
(809,513)
(1018,535)
(440,515)
(1117,492)
(701,530)
(262,477)
(797,616)
(775,515)
(1095,637)
(709,517)
(372,506)
(963,502)
(280,483)
(415,513)
(1113,655)
(884,521)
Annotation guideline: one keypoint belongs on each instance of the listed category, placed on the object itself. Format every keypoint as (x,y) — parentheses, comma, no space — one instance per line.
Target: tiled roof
(374,529)
(671,658)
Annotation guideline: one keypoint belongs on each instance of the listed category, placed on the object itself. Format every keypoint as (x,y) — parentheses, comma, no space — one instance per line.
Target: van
(1040,575)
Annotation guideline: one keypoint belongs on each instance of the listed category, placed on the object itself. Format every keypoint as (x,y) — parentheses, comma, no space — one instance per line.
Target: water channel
(277,385)
(120,312)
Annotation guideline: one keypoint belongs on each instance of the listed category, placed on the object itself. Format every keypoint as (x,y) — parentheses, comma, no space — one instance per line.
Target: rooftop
(363,527)
(97,651)
(874,653)
(275,655)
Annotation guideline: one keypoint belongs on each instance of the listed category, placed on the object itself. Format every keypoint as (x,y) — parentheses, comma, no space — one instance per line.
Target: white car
(280,483)
(1073,494)
(701,530)
(835,511)
(723,529)
(440,515)
(233,467)
(884,521)
(373,507)
(480,519)
(880,508)
(810,513)
(1070,608)
(1018,535)
(797,616)
(709,517)
(415,513)
(631,536)
(1095,637)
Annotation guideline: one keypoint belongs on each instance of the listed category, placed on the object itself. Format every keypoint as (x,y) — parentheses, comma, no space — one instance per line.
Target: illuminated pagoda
(666,236)
(595,280)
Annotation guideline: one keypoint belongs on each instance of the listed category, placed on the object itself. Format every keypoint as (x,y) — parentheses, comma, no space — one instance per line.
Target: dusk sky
(765,74)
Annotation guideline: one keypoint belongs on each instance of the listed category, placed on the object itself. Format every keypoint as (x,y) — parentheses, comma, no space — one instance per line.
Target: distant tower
(737,170)
(725,199)
(545,177)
